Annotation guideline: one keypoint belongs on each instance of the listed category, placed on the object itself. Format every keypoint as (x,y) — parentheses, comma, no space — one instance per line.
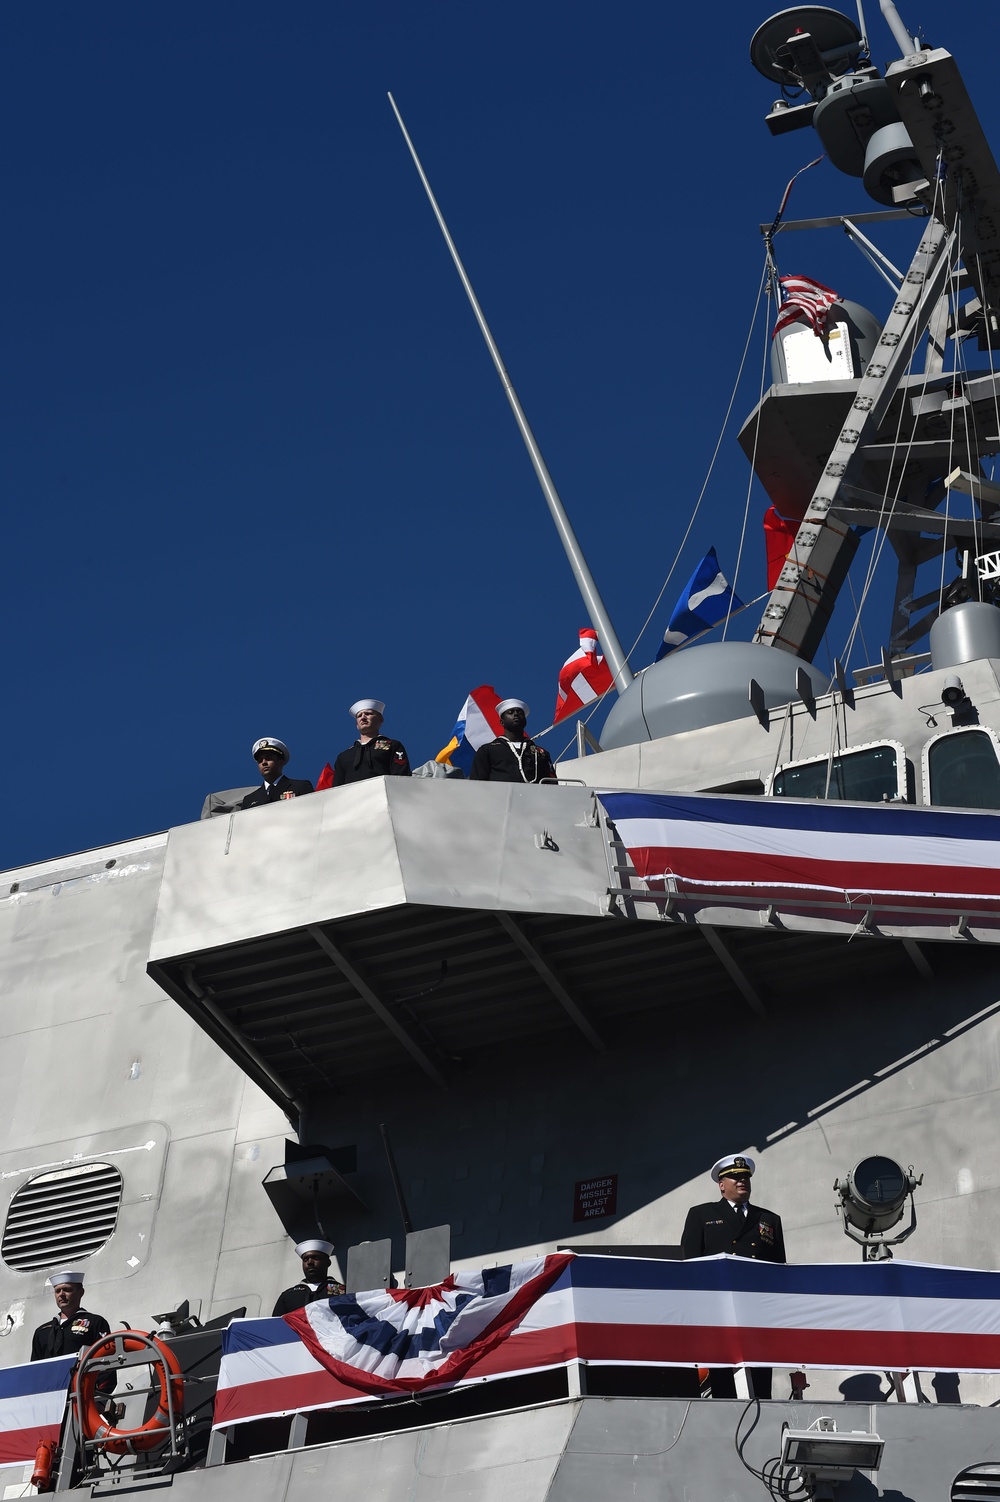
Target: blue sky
(255,460)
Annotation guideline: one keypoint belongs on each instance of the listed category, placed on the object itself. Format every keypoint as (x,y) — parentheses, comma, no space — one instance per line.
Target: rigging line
(752,476)
(711,467)
(834,742)
(989,350)
(857,612)
(973,439)
(781,740)
(954,410)
(882,523)
(874,261)
(882,527)
(996,395)
(586,721)
(855,629)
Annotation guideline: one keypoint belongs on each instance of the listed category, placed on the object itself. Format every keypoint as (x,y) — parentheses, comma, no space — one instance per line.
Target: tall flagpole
(599,618)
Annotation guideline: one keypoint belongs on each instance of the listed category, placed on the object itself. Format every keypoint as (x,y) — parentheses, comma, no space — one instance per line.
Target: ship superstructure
(457,1025)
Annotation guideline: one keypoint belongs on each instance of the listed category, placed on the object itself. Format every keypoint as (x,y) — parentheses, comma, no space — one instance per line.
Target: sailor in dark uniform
(73,1328)
(513,756)
(731,1224)
(373,754)
(315,1282)
(271,755)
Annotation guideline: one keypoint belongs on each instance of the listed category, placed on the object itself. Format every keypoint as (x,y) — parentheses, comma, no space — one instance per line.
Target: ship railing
(892,668)
(861,909)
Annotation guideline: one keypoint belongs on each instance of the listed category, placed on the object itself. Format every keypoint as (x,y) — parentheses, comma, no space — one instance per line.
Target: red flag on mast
(779,539)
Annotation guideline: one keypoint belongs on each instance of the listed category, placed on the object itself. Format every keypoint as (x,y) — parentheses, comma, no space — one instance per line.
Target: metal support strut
(796,614)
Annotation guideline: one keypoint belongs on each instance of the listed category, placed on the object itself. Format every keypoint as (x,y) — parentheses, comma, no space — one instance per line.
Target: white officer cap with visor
(361,704)
(506,704)
(316,1245)
(733,1163)
(65,1275)
(269,743)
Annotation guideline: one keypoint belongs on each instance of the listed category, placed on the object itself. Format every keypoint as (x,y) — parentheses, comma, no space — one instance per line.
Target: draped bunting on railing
(821,865)
(32,1402)
(716,1311)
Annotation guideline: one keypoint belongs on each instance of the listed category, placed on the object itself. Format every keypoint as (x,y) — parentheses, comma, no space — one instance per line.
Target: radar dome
(707,685)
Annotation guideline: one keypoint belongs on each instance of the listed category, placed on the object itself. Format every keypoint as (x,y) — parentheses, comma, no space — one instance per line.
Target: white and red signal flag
(583,678)
(804,298)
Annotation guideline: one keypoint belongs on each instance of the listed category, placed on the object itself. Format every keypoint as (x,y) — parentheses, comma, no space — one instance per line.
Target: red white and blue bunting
(32,1403)
(715,1311)
(822,866)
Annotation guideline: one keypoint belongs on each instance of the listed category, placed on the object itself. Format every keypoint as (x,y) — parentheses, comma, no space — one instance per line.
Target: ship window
(961,769)
(63,1216)
(869,774)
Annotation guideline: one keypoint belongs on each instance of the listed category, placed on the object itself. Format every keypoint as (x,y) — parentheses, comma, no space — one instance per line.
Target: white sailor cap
(269,743)
(733,1164)
(513,704)
(361,704)
(317,1245)
(65,1275)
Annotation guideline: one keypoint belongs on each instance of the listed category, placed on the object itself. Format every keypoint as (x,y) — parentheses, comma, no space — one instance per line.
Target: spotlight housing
(823,1455)
(873,1198)
(953,692)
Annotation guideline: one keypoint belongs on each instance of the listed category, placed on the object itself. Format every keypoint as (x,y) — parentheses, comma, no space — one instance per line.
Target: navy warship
(485,1026)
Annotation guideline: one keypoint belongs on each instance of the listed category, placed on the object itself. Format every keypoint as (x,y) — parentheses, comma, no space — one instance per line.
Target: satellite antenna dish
(831,33)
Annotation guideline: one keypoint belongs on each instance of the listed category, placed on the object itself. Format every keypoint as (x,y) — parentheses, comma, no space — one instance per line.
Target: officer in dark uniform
(513,756)
(731,1224)
(315,1282)
(373,754)
(271,755)
(73,1328)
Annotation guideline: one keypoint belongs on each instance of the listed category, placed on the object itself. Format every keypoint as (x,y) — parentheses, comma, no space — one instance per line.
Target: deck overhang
(426,926)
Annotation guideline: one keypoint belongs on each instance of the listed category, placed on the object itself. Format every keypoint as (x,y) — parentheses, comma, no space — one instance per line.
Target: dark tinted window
(860,776)
(963,771)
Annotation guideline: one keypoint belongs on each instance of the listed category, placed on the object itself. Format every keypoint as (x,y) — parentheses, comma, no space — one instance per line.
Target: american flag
(804,298)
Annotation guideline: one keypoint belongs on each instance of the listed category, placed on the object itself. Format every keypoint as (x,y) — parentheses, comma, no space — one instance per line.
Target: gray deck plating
(599,1449)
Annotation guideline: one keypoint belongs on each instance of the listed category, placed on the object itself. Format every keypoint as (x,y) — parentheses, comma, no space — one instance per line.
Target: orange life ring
(155,1429)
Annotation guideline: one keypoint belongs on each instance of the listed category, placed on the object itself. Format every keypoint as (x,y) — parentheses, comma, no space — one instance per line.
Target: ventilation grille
(60,1217)
(980,1483)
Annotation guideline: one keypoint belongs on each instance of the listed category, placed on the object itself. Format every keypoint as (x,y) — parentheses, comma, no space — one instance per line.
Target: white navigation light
(873,1198)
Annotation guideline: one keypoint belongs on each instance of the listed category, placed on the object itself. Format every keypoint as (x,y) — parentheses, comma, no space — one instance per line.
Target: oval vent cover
(980,1483)
(62,1216)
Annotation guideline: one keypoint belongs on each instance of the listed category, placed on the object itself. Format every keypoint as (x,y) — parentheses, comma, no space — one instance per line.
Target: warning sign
(594,1198)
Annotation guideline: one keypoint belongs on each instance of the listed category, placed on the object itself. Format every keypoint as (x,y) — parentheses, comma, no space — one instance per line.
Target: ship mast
(596,609)
(926,153)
